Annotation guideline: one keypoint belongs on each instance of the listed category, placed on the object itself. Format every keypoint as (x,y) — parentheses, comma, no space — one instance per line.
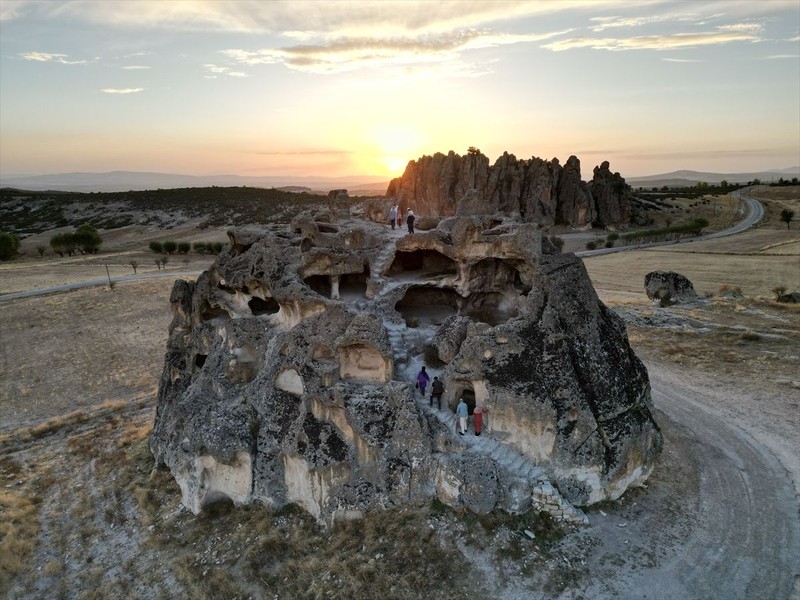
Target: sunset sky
(358,88)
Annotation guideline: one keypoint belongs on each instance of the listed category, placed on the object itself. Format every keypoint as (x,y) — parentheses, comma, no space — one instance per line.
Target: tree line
(171,247)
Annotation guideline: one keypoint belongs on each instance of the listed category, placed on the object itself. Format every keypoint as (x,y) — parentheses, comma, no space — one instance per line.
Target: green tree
(787,216)
(157,247)
(87,239)
(134,264)
(63,243)
(41,250)
(218,246)
(184,247)
(9,244)
(779,290)
(199,247)
(170,247)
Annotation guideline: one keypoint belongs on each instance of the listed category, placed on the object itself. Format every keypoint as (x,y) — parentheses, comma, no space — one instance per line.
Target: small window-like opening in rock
(427,305)
(354,285)
(320,284)
(464,390)
(306,245)
(491,308)
(521,287)
(226,288)
(259,307)
(214,314)
(430,262)
(200,360)
(327,228)
(491,274)
(217,504)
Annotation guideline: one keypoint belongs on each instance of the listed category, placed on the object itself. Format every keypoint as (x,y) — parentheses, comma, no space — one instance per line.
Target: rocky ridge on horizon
(535,190)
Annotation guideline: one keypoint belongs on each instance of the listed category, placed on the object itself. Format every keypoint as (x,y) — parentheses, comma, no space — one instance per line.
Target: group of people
(462,410)
(396,218)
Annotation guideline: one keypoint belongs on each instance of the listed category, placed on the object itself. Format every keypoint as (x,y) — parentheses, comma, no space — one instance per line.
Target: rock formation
(290,361)
(668,287)
(535,190)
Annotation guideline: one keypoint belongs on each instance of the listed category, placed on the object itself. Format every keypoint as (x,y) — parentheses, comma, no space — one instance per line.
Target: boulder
(668,287)
(790,298)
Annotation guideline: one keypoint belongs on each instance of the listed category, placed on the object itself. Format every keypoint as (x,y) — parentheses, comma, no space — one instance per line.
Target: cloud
(218,70)
(654,42)
(335,17)
(782,56)
(681,60)
(306,153)
(135,67)
(50,57)
(350,53)
(121,90)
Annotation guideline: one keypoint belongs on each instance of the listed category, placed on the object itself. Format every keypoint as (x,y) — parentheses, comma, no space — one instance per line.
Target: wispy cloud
(349,53)
(681,60)
(782,56)
(135,67)
(122,90)
(306,153)
(50,57)
(655,42)
(219,70)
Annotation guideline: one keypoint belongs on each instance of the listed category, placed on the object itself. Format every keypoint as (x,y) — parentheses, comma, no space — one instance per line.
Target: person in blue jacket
(462,410)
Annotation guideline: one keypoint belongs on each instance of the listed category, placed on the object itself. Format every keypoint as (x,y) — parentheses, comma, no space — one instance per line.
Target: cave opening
(214,314)
(464,389)
(427,305)
(431,262)
(200,360)
(354,285)
(260,306)
(491,308)
(320,284)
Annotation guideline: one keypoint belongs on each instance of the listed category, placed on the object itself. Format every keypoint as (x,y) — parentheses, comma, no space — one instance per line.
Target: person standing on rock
(422,380)
(393,215)
(410,220)
(477,414)
(399,217)
(462,410)
(437,389)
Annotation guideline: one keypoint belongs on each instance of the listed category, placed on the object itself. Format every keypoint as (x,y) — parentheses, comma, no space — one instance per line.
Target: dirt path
(720,517)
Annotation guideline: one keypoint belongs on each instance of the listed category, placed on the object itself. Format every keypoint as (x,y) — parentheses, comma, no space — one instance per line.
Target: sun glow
(394,146)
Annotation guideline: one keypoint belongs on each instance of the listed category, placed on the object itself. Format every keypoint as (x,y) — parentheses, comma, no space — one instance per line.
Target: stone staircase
(545,496)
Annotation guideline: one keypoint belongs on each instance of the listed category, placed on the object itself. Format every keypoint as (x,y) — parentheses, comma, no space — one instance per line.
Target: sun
(395,145)
(396,164)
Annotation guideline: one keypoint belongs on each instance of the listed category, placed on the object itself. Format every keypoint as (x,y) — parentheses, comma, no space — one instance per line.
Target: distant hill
(124,181)
(357,185)
(687,178)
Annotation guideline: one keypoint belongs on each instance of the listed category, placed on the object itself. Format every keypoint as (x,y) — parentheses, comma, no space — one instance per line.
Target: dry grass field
(83,514)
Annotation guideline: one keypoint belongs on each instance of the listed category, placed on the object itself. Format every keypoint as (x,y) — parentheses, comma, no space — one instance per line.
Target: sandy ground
(719,517)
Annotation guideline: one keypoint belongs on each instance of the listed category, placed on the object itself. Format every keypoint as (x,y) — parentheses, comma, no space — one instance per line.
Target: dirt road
(720,517)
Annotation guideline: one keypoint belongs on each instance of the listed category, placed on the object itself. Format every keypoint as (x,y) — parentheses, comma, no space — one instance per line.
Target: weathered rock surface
(289,364)
(535,190)
(668,287)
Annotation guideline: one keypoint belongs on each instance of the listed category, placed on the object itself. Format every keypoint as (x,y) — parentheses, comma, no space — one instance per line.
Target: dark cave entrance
(214,314)
(354,285)
(429,261)
(259,306)
(320,284)
(491,307)
(464,389)
(427,305)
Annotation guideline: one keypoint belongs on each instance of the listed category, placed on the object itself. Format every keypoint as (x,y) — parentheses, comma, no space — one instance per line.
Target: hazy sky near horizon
(359,88)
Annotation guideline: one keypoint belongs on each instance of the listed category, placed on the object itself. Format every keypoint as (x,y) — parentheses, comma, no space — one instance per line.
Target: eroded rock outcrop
(289,365)
(535,190)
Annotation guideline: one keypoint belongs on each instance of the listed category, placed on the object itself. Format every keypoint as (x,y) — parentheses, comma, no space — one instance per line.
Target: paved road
(754,212)
(95,282)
